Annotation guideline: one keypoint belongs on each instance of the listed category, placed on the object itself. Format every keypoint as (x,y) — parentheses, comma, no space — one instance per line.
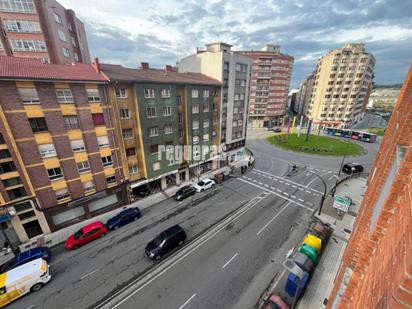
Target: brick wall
(380,254)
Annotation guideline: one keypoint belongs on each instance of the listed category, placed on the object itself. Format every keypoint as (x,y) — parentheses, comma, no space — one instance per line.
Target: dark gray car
(165,242)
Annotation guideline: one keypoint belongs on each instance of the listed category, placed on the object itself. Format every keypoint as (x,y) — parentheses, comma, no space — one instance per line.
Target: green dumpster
(310,252)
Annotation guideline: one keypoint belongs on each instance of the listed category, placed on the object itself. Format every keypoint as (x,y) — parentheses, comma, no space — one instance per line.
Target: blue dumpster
(292,284)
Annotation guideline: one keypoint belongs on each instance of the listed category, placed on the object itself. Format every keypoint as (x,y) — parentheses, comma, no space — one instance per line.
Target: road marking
(300,199)
(91,273)
(330,178)
(187,301)
(30,307)
(308,191)
(230,260)
(281,181)
(271,220)
(293,186)
(261,183)
(273,192)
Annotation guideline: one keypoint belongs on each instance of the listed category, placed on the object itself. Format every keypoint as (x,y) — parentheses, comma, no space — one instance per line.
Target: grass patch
(322,145)
(377,131)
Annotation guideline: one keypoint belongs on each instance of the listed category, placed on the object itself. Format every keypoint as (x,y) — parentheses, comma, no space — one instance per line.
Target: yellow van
(29,277)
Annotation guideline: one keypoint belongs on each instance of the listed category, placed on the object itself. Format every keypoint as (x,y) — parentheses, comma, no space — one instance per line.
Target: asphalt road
(229,268)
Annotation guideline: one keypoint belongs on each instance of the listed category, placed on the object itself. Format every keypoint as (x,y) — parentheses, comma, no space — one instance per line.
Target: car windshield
(78,234)
(201,183)
(7,265)
(158,240)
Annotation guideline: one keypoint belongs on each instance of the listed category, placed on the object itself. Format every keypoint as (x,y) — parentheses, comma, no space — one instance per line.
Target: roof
(35,69)
(24,270)
(120,73)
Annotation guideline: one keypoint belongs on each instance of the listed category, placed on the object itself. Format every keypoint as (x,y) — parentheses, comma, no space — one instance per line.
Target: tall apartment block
(233,71)
(157,109)
(59,157)
(342,82)
(42,29)
(303,96)
(269,86)
(376,269)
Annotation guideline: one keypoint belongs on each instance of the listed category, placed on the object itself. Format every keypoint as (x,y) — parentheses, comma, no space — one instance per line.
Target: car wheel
(157,257)
(36,287)
(136,218)
(104,234)
(201,190)
(116,227)
(75,247)
(180,242)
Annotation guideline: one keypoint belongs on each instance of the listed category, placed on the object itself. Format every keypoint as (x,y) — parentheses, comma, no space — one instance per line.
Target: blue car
(25,257)
(124,217)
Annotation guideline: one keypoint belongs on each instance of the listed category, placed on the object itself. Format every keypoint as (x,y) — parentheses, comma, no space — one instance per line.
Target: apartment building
(303,96)
(269,86)
(42,29)
(342,82)
(376,269)
(157,109)
(232,69)
(59,148)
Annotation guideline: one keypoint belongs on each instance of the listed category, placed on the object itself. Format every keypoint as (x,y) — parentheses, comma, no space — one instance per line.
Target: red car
(275,302)
(85,235)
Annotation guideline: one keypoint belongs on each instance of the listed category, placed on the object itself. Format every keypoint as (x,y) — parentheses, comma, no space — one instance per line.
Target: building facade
(42,29)
(376,269)
(342,82)
(157,110)
(233,70)
(58,129)
(269,86)
(303,96)
(383,98)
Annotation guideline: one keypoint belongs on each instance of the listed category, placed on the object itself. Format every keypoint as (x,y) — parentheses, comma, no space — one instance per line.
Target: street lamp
(324,190)
(340,168)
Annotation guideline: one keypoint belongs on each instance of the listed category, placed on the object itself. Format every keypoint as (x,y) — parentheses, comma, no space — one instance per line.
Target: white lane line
(293,186)
(91,273)
(259,182)
(281,181)
(271,220)
(187,301)
(30,307)
(330,178)
(277,194)
(307,191)
(300,199)
(230,260)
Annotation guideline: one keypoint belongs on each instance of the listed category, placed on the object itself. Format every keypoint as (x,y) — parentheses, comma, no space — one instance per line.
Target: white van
(29,277)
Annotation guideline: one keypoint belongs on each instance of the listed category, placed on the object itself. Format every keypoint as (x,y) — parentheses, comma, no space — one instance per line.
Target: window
(151,112)
(55,173)
(195,108)
(47,150)
(240,67)
(107,161)
(83,166)
(168,129)
(121,93)
(130,152)
(195,93)
(127,133)
(29,95)
(195,124)
(111,179)
(18,6)
(154,149)
(70,27)
(98,119)
(28,45)
(156,166)
(205,93)
(77,145)
(11,182)
(71,122)
(149,93)
(16,193)
(62,35)
(57,18)
(165,93)
(205,137)
(72,39)
(195,139)
(134,169)
(2,141)
(22,26)
(4,154)
(93,95)
(76,56)
(62,194)
(38,124)
(206,123)
(124,113)
(64,96)
(7,167)
(180,117)
(206,108)
(103,141)
(167,111)
(153,131)
(66,52)
(88,186)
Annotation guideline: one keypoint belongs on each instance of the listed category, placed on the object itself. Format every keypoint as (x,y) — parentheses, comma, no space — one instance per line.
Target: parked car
(352,168)
(165,242)
(27,256)
(204,184)
(184,192)
(277,130)
(124,217)
(275,302)
(85,235)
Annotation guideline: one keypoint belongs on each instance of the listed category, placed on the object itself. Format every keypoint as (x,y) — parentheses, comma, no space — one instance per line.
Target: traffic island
(316,144)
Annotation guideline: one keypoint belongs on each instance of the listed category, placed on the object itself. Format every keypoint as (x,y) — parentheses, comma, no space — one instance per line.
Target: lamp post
(340,168)
(324,191)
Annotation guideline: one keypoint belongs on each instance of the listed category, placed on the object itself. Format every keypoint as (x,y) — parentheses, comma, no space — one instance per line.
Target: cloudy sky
(162,31)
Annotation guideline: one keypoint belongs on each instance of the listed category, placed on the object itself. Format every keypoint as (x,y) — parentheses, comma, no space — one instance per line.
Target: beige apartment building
(342,82)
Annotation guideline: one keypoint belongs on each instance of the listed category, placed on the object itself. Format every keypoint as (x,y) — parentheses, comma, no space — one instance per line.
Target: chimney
(144,65)
(168,68)
(96,65)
